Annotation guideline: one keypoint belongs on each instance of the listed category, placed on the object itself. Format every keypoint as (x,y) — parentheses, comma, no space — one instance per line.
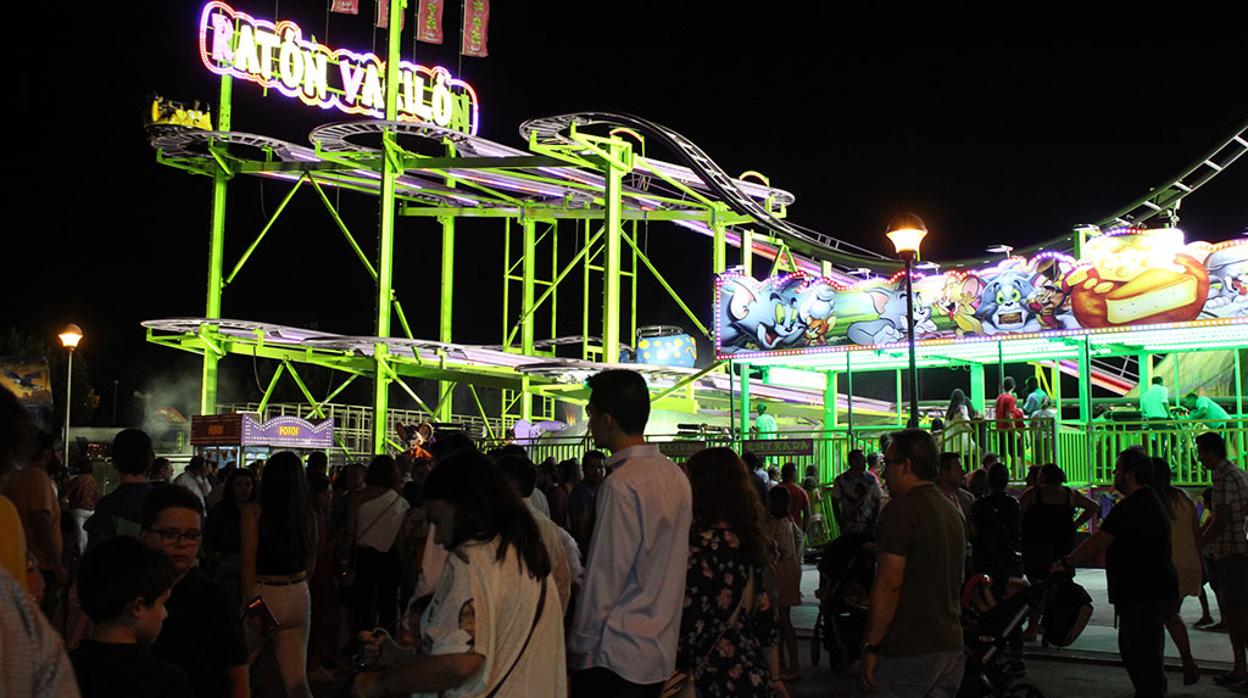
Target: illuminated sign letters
(277,56)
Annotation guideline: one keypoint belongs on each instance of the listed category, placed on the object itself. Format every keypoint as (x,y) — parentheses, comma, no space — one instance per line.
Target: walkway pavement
(1099,641)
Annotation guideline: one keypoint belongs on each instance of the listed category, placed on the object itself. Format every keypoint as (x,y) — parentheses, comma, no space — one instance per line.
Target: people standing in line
(977,483)
(856,498)
(323,592)
(160,471)
(758,474)
(223,532)
(374,519)
(913,639)
(195,479)
(1009,423)
(1143,584)
(120,512)
(556,496)
(493,627)
(82,493)
(31,491)
(799,502)
(786,538)
(996,540)
(279,548)
(123,587)
(1226,537)
(951,481)
(1035,397)
(583,497)
(1184,553)
(202,634)
(1048,527)
(624,633)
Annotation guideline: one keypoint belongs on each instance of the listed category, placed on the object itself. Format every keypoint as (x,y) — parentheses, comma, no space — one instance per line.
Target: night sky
(994,129)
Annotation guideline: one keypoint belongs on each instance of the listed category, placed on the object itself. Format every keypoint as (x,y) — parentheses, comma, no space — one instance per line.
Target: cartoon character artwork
(1228,282)
(958,301)
(1004,304)
(815,307)
(890,305)
(760,314)
(1051,304)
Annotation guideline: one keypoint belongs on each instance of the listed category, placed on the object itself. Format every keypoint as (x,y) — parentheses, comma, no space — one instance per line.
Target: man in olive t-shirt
(913,642)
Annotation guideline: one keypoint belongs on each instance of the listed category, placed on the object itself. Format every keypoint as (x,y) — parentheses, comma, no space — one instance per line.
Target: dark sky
(994,128)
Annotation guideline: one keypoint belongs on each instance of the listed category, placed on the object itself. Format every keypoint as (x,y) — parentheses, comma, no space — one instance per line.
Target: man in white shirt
(194,479)
(624,635)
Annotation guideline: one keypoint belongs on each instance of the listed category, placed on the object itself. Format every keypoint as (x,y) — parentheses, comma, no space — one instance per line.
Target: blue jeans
(935,675)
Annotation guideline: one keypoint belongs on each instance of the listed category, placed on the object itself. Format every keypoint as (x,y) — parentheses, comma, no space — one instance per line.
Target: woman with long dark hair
(728,638)
(494,626)
(958,434)
(223,534)
(279,550)
(1184,544)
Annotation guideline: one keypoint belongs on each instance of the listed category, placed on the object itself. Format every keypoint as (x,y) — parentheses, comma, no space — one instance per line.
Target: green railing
(1086,455)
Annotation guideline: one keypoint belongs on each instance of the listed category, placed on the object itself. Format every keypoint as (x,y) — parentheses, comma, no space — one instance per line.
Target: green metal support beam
(264,231)
(744,407)
(978,394)
(346,232)
(620,159)
(550,213)
(550,290)
(667,287)
(216,253)
(303,388)
(268,392)
(747,252)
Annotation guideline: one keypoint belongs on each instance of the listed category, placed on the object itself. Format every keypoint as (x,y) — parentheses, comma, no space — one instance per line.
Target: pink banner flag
(429,21)
(476,28)
(345,7)
(383,15)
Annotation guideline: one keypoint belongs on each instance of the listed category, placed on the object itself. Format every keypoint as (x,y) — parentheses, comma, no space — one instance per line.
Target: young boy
(123,586)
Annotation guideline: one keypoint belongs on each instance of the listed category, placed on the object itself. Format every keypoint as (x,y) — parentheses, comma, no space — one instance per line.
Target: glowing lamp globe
(907,232)
(70,336)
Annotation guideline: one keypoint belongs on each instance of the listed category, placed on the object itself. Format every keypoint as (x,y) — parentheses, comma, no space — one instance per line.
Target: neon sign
(277,56)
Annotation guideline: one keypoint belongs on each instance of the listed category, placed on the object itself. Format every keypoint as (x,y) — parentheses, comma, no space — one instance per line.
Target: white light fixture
(70,336)
(907,232)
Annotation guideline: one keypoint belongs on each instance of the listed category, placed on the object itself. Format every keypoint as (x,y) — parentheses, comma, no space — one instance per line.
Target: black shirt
(995,541)
(119,513)
(202,635)
(1138,564)
(108,670)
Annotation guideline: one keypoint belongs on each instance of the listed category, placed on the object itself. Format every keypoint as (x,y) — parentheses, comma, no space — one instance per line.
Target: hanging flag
(476,27)
(429,21)
(383,15)
(345,7)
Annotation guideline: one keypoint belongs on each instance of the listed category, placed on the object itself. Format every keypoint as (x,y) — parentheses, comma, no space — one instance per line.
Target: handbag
(346,575)
(683,684)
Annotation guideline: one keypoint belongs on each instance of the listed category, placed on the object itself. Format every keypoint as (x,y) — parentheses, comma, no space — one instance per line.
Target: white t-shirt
(197,485)
(486,606)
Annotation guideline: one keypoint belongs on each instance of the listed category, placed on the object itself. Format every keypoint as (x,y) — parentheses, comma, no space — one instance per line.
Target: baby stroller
(846,572)
(987,627)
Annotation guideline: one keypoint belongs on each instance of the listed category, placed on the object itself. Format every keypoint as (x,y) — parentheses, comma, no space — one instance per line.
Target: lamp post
(906,232)
(70,336)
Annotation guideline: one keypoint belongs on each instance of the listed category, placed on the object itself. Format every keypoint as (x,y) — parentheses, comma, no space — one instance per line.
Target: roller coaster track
(558,130)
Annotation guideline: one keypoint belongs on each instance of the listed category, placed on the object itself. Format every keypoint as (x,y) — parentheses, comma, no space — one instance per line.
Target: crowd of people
(473,573)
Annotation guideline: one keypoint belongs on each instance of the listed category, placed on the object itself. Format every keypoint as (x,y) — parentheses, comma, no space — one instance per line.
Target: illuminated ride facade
(585,176)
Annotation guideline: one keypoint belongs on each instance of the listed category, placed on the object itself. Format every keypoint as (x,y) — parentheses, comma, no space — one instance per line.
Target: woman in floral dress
(728,552)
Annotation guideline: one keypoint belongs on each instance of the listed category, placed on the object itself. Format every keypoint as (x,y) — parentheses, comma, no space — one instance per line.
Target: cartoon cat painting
(760,314)
(890,305)
(1004,305)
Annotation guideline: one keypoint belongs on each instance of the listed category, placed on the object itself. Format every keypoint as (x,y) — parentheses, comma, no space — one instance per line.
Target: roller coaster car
(164,112)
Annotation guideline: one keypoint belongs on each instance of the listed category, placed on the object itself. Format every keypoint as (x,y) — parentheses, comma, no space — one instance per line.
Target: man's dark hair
(569,471)
(118,571)
(751,460)
(919,447)
(1008,383)
(594,454)
(1157,380)
(788,472)
(949,458)
(1135,460)
(449,444)
(1053,474)
(132,451)
(382,472)
(1031,384)
(195,464)
(170,497)
(1212,442)
(856,456)
(623,395)
(998,477)
(521,472)
(318,462)
(778,502)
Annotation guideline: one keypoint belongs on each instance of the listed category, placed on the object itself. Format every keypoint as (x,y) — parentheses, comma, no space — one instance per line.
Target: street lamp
(907,232)
(70,336)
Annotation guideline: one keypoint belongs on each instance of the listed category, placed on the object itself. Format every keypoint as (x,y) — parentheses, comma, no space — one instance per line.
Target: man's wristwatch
(868,648)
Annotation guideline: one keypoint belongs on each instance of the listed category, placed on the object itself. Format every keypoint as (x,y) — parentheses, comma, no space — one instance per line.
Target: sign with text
(277,56)
(680,449)
(779,447)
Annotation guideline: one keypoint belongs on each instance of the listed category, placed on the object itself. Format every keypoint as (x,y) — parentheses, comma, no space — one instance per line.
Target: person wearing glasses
(203,634)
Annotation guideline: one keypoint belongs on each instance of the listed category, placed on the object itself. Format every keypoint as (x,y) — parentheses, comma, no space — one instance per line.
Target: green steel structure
(585,178)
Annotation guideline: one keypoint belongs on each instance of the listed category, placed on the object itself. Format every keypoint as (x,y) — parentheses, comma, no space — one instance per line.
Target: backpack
(1068,611)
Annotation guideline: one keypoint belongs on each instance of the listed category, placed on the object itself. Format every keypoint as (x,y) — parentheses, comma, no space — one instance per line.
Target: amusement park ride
(583,176)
